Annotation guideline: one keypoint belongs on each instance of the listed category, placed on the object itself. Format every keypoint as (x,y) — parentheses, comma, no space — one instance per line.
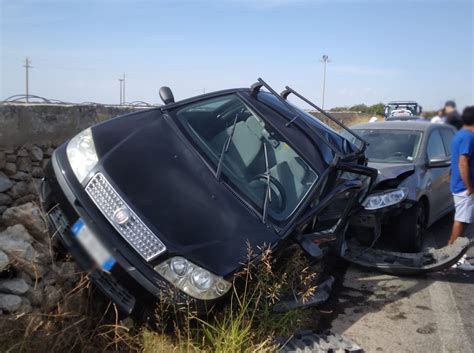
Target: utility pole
(27,66)
(123,94)
(121,85)
(324,60)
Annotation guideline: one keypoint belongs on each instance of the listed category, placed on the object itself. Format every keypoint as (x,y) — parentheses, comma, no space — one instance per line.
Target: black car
(167,199)
(413,160)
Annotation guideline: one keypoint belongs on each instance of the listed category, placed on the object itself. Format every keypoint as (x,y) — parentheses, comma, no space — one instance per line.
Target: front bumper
(132,283)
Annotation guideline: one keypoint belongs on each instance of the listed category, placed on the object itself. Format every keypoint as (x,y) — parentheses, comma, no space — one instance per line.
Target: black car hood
(390,170)
(175,193)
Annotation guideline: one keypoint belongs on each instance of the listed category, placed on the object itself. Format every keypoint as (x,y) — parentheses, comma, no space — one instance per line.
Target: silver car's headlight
(192,279)
(385,199)
(81,154)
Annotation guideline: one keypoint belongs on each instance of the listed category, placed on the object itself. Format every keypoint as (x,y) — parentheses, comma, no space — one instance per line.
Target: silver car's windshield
(210,123)
(391,146)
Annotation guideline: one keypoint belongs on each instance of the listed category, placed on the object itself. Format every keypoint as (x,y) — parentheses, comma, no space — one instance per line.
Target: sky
(379,50)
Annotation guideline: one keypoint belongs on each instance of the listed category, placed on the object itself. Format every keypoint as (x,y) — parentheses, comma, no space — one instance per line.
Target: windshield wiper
(225,148)
(268,193)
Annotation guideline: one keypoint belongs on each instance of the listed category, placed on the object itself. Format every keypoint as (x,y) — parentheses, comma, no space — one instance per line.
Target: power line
(121,90)
(27,66)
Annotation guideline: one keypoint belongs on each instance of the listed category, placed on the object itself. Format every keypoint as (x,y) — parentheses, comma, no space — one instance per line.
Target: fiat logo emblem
(121,216)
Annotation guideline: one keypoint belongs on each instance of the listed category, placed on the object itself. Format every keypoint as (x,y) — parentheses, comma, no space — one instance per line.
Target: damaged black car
(169,197)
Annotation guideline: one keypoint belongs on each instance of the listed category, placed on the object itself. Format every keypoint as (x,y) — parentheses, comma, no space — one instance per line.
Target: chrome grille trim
(135,232)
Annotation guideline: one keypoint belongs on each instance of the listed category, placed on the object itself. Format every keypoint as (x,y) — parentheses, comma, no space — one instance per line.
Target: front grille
(135,232)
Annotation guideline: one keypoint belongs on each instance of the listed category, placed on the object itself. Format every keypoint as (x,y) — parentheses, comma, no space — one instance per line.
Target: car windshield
(226,125)
(402,109)
(391,146)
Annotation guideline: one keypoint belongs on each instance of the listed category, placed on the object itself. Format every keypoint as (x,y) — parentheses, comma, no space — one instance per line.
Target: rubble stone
(10,302)
(5,199)
(22,152)
(10,168)
(31,217)
(20,176)
(36,153)
(19,189)
(5,182)
(4,261)
(24,164)
(3,159)
(14,286)
(37,172)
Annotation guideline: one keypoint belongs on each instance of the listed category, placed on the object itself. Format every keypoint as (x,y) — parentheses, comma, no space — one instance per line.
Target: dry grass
(82,323)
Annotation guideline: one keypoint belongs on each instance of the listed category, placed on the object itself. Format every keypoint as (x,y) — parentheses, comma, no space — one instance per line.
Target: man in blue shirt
(462,174)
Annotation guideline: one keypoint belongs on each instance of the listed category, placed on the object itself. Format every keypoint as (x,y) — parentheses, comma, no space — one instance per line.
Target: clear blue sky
(380,50)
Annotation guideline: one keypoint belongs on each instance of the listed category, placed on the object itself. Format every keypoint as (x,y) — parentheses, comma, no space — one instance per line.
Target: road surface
(430,313)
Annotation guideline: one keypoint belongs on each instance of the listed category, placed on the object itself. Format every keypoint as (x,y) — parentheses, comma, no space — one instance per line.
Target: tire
(411,228)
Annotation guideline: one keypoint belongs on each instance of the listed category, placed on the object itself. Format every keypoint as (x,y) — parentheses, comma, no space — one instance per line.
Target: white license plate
(93,246)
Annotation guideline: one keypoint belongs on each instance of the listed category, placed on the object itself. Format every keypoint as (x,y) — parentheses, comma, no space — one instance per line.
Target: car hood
(167,184)
(391,170)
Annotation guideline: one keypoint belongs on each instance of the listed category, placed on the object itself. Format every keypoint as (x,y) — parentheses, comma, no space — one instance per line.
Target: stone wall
(50,123)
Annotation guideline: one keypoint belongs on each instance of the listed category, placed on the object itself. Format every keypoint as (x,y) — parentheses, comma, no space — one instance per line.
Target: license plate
(93,246)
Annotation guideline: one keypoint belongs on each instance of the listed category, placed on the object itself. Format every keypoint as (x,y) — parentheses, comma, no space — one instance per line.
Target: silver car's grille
(134,231)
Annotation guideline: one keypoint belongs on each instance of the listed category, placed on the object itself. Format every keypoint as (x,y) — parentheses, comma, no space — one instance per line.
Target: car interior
(211,124)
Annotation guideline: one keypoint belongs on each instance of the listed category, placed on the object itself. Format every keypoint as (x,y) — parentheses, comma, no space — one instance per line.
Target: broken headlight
(81,154)
(385,199)
(192,279)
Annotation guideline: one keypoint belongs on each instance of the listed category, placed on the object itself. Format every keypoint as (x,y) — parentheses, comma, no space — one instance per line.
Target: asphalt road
(430,313)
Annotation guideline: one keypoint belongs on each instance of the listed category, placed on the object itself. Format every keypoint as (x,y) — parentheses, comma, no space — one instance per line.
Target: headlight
(192,279)
(81,154)
(384,199)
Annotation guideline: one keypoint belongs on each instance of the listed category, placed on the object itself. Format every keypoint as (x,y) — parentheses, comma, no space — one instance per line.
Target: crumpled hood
(175,193)
(390,170)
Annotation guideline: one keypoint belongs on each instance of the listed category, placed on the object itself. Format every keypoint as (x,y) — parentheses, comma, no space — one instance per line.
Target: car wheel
(411,228)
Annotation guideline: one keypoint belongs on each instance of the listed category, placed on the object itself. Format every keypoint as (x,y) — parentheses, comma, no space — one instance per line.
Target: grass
(82,323)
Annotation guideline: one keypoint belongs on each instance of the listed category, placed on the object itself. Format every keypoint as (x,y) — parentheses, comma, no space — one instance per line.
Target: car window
(435,148)
(228,121)
(447,135)
(391,146)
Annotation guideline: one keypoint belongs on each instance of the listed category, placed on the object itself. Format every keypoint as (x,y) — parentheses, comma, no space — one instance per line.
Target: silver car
(413,159)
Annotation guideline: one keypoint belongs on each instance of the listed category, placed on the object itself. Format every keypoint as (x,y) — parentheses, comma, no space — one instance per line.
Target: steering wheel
(277,191)
(399,154)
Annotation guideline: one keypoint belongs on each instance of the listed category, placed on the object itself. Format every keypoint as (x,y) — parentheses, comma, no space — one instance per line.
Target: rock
(23,164)
(25,306)
(3,159)
(14,286)
(5,182)
(31,217)
(35,296)
(10,302)
(49,152)
(17,249)
(52,296)
(10,168)
(19,189)
(4,261)
(36,153)
(17,232)
(37,172)
(3,209)
(20,176)
(11,158)
(22,152)
(24,199)
(5,199)
(34,186)
(44,163)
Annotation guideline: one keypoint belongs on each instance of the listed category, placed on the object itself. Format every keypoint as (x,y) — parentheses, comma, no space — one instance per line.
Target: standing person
(462,178)
(452,115)
(439,119)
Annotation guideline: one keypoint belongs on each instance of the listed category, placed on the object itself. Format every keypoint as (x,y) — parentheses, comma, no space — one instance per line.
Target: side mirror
(166,95)
(439,163)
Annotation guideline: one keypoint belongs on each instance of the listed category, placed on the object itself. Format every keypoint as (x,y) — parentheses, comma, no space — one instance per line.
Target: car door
(437,184)
(447,134)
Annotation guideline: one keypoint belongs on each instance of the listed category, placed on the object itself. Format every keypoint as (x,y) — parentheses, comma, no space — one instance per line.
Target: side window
(435,147)
(447,135)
